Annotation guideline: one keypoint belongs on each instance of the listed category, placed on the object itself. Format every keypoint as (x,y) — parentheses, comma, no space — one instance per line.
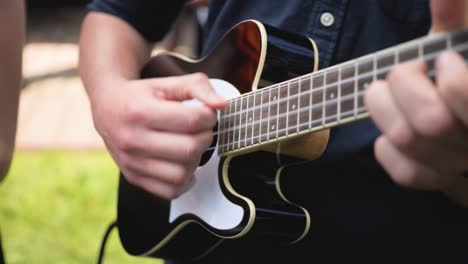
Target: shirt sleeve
(151,18)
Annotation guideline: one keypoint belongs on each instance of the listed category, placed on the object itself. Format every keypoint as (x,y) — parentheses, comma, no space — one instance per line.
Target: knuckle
(396,74)
(192,150)
(125,141)
(124,161)
(406,176)
(406,70)
(402,137)
(434,123)
(172,193)
(180,177)
(370,93)
(132,178)
(454,88)
(193,122)
(207,138)
(133,112)
(200,77)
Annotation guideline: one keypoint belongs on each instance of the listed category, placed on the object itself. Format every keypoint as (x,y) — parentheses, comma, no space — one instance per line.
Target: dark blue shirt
(358,214)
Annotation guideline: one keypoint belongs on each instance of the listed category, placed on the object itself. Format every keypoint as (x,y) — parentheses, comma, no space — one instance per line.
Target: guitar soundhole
(207,154)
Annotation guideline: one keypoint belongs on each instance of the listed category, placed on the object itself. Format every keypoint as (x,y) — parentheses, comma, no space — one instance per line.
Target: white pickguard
(205,199)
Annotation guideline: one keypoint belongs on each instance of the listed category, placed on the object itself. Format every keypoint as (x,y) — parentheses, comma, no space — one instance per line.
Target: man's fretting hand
(424,141)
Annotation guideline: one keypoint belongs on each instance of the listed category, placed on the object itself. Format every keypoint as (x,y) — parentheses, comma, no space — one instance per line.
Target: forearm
(12,28)
(110,50)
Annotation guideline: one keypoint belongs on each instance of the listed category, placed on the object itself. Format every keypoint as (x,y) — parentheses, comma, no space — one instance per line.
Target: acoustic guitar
(278,114)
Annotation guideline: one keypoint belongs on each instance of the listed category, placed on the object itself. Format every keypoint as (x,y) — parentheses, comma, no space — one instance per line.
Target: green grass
(55,206)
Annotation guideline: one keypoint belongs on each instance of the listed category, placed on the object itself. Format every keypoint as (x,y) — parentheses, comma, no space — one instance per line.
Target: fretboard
(324,99)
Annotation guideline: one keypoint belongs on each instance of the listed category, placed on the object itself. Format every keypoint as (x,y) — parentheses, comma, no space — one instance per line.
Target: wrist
(101,90)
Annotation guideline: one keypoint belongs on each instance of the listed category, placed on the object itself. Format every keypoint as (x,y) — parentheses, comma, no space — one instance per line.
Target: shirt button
(327,19)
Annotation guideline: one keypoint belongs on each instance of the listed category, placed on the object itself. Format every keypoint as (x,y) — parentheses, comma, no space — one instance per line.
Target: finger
(188,87)
(168,146)
(405,171)
(386,115)
(452,83)
(393,125)
(448,15)
(382,108)
(156,187)
(169,172)
(181,118)
(170,116)
(426,113)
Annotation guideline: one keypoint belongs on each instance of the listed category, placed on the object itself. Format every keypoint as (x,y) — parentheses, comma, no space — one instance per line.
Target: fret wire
(236,120)
(293,113)
(464,46)
(261,116)
(397,59)
(282,105)
(232,132)
(269,114)
(356,72)
(246,115)
(246,119)
(323,98)
(420,50)
(310,101)
(240,127)
(339,95)
(374,77)
(277,111)
(253,117)
(298,106)
(240,120)
(220,128)
(228,116)
(287,108)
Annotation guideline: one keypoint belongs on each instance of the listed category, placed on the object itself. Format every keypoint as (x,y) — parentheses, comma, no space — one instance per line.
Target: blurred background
(61,191)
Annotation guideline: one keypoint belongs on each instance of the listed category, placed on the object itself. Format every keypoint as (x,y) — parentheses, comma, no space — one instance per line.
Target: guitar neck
(324,99)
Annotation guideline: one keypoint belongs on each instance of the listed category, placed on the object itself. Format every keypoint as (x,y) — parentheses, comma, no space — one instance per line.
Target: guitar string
(447,38)
(430,74)
(320,92)
(429,56)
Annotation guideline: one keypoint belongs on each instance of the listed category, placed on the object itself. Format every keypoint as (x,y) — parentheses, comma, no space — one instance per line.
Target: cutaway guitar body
(236,194)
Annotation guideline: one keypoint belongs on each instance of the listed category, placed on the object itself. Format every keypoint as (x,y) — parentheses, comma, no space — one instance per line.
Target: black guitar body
(143,217)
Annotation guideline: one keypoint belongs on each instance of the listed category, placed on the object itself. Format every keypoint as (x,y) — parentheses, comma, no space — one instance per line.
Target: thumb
(186,87)
(448,15)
